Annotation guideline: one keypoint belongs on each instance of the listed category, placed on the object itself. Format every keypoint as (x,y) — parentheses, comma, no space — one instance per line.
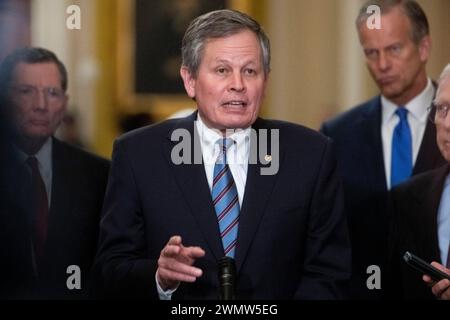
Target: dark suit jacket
(292,238)
(78,186)
(414,207)
(357,138)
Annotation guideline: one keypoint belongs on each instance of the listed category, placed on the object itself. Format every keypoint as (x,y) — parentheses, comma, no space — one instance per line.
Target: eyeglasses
(438,112)
(30,93)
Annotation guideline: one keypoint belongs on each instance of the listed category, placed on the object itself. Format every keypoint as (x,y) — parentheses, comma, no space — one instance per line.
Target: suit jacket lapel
(258,189)
(429,155)
(428,205)
(372,145)
(62,189)
(193,184)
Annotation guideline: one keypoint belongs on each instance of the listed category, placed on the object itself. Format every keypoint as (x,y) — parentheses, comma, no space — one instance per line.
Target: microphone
(227,278)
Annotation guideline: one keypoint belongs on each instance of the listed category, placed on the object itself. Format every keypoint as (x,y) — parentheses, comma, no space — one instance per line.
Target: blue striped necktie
(225,200)
(401,161)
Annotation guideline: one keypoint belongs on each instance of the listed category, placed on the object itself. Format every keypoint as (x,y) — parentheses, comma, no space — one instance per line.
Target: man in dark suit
(387,139)
(174,208)
(421,211)
(49,225)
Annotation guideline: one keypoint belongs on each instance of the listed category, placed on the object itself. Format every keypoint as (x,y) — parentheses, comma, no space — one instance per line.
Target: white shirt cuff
(164,295)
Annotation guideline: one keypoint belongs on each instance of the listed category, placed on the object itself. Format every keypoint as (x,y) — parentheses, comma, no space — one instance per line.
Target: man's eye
(221,70)
(250,71)
(25,90)
(54,92)
(442,108)
(395,49)
(371,54)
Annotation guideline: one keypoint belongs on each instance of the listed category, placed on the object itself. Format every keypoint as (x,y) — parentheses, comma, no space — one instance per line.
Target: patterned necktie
(40,210)
(225,200)
(401,162)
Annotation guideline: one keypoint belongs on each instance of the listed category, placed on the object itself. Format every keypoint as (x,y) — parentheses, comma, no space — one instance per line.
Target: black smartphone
(424,267)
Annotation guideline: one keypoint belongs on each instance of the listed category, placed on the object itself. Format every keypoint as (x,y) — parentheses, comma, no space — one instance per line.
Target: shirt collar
(417,107)
(43,156)
(210,136)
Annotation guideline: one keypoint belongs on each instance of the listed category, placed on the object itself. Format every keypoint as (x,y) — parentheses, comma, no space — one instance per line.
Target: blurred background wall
(317,64)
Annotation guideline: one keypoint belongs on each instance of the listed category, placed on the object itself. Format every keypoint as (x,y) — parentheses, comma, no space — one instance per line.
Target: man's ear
(425,48)
(189,81)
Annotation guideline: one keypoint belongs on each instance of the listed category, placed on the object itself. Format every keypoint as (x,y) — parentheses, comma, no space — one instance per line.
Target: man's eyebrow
(246,63)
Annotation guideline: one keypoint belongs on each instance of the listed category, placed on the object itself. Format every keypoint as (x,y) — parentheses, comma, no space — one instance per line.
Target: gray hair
(445,73)
(219,24)
(417,17)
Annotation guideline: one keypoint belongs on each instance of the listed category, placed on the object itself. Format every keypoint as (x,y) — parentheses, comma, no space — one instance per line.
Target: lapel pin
(268,157)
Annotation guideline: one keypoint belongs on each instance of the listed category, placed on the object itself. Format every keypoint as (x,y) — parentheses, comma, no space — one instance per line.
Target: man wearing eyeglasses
(421,212)
(384,141)
(55,190)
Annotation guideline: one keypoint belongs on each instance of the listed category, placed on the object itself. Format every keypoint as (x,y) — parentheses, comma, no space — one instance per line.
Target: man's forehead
(24,71)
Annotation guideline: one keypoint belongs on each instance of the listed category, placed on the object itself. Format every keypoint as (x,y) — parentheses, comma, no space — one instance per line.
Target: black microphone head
(227,278)
(227,266)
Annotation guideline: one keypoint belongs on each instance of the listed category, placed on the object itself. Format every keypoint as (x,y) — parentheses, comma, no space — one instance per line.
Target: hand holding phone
(424,267)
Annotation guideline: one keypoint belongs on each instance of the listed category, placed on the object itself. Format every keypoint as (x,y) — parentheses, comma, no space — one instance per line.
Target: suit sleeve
(327,263)
(121,267)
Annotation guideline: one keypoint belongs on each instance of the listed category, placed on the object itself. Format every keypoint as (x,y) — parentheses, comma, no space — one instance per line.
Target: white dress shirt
(237,159)
(417,120)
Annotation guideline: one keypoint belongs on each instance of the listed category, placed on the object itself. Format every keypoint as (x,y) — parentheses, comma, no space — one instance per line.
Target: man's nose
(237,82)
(40,100)
(384,62)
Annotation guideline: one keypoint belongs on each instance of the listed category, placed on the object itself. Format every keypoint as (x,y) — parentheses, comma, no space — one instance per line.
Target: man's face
(443,124)
(230,84)
(396,63)
(37,100)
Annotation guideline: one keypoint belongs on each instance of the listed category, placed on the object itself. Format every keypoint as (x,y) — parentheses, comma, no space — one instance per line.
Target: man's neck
(416,89)
(28,145)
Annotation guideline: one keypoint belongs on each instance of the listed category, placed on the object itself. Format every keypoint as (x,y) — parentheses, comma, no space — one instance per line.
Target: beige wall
(438,12)
(318,67)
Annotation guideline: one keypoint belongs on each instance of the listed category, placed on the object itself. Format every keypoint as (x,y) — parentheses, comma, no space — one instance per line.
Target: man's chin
(238,125)
(390,93)
(37,135)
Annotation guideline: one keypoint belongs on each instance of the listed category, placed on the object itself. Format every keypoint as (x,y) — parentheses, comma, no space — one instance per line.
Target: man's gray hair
(219,24)
(445,73)
(419,22)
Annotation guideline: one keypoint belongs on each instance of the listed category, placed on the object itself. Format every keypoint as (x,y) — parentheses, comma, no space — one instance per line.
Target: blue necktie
(225,200)
(401,164)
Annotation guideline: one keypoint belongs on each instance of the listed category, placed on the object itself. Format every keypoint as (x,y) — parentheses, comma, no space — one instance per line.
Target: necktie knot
(402,113)
(224,145)
(33,163)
